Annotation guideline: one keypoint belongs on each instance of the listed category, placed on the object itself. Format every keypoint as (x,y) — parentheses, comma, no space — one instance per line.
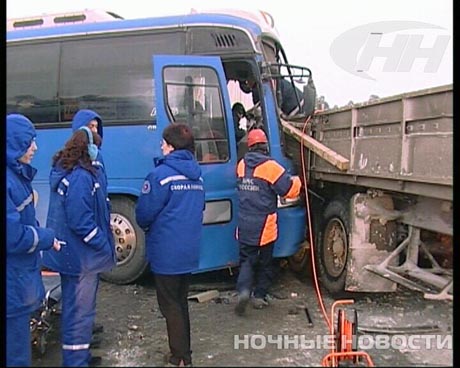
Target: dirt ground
(280,335)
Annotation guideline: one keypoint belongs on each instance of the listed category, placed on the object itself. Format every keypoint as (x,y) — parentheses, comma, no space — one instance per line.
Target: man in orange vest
(260,180)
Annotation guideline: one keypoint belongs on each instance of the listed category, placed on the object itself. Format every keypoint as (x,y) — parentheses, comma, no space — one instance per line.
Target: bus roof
(234,20)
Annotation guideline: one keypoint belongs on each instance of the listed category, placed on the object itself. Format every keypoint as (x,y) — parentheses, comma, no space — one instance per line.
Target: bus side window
(33,81)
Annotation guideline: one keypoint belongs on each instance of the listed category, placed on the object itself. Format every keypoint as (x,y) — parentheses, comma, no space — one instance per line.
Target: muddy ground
(135,333)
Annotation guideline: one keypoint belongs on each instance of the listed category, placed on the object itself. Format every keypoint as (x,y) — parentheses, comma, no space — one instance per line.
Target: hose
(310,230)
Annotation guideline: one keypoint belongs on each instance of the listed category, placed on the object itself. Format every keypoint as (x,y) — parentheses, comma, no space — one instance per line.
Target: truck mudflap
(378,263)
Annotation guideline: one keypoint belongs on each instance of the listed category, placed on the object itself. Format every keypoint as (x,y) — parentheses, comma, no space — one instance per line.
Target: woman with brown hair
(79,213)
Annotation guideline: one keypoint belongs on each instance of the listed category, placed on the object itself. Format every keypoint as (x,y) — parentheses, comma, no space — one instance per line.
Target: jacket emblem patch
(146,187)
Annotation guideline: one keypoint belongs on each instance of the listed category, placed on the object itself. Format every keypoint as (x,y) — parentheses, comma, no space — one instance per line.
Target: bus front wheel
(129,243)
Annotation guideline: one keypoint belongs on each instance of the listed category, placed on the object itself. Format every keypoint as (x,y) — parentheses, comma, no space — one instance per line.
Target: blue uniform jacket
(24,238)
(79,214)
(289,99)
(170,210)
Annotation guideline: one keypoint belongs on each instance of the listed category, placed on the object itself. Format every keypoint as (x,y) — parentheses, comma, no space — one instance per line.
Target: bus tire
(129,243)
(332,246)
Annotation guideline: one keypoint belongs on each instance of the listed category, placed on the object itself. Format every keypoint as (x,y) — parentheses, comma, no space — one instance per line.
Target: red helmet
(256,136)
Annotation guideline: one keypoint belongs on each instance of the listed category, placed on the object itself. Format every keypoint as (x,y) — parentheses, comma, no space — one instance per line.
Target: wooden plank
(204,296)
(320,149)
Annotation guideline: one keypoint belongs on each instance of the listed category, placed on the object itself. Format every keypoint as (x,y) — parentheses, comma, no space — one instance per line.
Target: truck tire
(332,246)
(129,243)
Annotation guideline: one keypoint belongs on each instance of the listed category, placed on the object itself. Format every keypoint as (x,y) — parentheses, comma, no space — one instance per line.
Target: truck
(380,175)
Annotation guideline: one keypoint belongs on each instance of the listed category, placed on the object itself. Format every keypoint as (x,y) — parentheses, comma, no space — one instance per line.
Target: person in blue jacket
(79,214)
(25,239)
(290,101)
(93,121)
(170,210)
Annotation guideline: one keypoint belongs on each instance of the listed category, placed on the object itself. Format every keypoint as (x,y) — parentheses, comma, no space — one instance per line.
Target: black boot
(95,361)
(98,328)
(95,342)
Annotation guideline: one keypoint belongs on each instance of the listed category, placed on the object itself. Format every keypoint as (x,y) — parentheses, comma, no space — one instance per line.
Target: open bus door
(193,90)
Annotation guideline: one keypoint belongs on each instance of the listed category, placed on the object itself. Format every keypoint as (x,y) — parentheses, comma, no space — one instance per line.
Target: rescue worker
(170,210)
(248,86)
(292,100)
(290,97)
(93,121)
(25,239)
(260,180)
(79,214)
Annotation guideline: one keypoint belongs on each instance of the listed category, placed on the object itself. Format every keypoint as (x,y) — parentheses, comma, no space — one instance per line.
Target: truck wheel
(300,261)
(129,243)
(332,245)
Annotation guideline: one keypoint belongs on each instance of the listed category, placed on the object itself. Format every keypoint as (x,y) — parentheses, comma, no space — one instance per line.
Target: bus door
(193,90)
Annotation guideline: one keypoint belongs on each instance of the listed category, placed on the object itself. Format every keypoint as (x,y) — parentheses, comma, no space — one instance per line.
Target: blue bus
(141,75)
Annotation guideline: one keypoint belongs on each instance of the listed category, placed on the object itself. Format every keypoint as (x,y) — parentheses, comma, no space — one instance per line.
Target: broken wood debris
(204,296)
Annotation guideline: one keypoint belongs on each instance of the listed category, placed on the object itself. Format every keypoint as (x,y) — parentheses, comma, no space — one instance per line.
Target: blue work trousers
(256,269)
(77,319)
(18,344)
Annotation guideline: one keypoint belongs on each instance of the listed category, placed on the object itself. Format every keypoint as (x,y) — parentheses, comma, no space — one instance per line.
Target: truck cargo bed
(401,143)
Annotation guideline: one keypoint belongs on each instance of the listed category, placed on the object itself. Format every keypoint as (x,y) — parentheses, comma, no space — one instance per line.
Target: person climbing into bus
(290,101)
(249,85)
(260,180)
